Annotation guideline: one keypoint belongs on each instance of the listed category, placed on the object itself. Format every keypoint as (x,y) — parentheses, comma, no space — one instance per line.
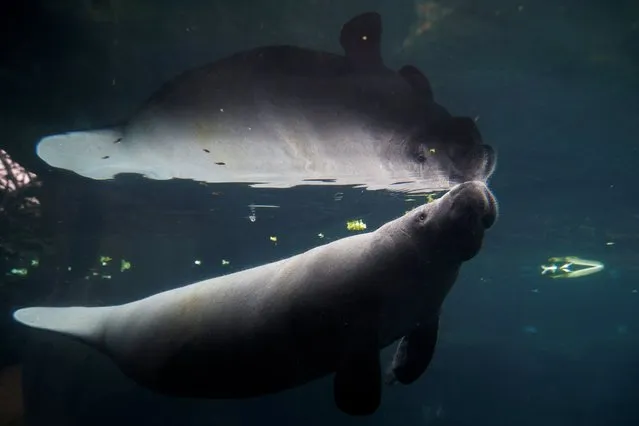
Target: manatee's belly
(238,360)
(242,349)
(281,157)
(278,133)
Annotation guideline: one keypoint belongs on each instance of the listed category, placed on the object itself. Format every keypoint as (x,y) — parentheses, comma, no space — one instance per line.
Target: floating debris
(124,265)
(19,272)
(252,208)
(355,225)
(225,262)
(430,198)
(429,15)
(570,267)
(263,206)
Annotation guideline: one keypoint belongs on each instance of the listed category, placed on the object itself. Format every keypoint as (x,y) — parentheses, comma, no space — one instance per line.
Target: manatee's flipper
(85,324)
(361,40)
(96,154)
(418,81)
(358,384)
(415,351)
(463,131)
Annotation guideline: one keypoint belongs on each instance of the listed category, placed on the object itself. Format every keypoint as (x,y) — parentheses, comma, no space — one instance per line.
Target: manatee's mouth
(473,201)
(468,209)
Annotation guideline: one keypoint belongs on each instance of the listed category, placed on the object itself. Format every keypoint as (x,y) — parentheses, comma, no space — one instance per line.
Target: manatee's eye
(424,153)
(422,217)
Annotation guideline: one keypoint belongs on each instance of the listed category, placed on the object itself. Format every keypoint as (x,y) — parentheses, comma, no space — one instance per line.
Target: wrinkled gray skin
(280,325)
(282,116)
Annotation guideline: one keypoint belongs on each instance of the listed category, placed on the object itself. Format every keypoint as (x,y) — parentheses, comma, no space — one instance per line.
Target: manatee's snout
(474,200)
(476,163)
(471,159)
(461,217)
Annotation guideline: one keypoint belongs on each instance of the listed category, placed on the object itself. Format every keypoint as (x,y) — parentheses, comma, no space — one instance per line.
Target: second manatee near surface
(281,116)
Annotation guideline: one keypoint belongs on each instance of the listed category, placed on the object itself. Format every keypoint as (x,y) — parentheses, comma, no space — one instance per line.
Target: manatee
(282,116)
(280,325)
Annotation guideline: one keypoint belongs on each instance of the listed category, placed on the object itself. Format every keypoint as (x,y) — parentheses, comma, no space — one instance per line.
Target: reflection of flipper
(361,40)
(415,352)
(96,154)
(358,384)
(418,81)
(463,131)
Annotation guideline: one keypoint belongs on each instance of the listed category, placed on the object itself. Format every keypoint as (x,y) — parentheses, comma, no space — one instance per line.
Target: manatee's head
(452,228)
(451,147)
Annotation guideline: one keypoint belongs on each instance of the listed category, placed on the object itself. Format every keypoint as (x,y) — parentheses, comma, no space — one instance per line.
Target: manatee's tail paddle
(82,323)
(96,154)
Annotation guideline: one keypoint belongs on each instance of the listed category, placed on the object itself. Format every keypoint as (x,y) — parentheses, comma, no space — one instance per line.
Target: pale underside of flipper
(415,352)
(79,322)
(96,154)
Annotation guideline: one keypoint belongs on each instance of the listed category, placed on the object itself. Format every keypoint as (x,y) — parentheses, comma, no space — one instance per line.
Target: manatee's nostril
(462,189)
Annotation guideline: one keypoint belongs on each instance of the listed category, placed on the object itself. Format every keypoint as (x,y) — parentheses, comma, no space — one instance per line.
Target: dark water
(556,89)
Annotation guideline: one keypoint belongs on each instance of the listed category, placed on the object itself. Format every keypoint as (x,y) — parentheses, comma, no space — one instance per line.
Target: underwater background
(554,86)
